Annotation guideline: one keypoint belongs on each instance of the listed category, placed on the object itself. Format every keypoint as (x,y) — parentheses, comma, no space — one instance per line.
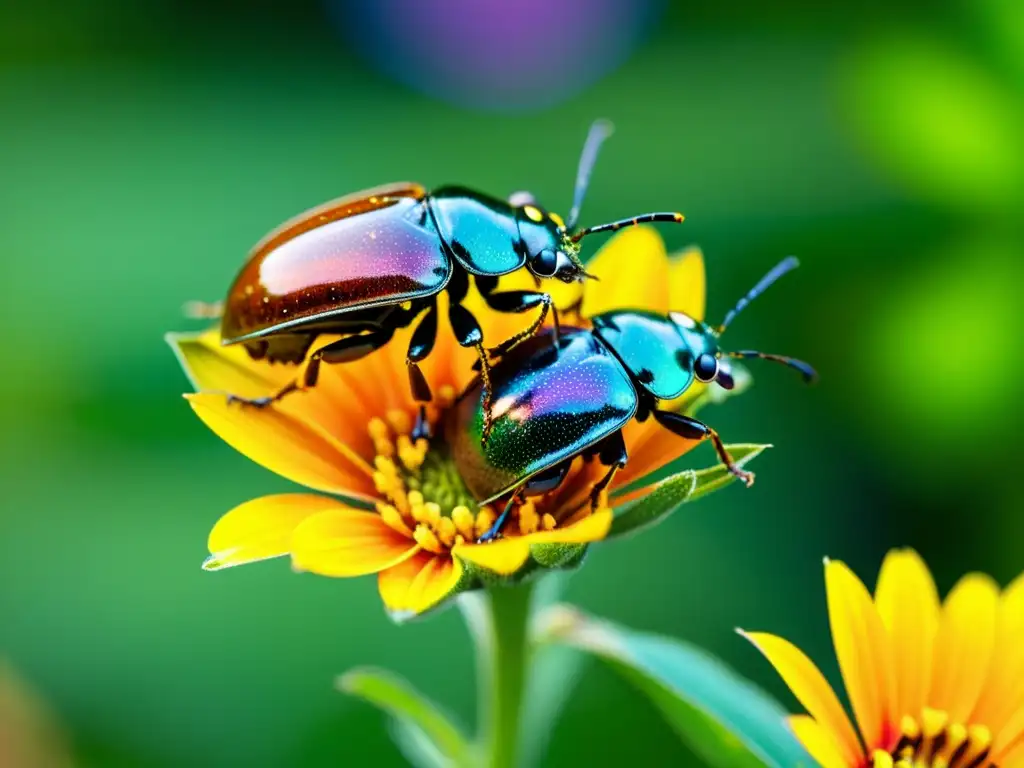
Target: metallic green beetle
(551,402)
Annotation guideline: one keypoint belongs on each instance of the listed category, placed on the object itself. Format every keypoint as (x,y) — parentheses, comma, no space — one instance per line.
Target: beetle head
(703,339)
(701,355)
(551,244)
(549,251)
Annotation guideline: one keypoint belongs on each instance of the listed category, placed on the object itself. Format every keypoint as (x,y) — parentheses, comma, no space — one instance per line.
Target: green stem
(510,659)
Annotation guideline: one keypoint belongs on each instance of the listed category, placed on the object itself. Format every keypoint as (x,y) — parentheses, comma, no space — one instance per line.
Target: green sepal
(725,719)
(422,728)
(556,555)
(669,494)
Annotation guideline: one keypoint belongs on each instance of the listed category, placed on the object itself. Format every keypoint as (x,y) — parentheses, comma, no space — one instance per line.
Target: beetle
(369,263)
(552,402)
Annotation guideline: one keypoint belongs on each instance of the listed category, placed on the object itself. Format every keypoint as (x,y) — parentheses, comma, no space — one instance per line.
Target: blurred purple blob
(503,55)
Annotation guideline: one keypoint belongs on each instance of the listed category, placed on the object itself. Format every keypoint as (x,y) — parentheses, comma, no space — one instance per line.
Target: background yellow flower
(930,684)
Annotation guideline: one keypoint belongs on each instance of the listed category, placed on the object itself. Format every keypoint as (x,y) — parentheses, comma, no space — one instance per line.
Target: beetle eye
(706,367)
(545,263)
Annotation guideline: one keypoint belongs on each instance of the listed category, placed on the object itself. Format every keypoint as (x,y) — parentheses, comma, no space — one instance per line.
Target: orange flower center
(931,741)
(425,497)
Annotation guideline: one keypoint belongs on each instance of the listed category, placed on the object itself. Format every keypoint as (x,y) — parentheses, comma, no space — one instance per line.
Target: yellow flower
(931,685)
(417,527)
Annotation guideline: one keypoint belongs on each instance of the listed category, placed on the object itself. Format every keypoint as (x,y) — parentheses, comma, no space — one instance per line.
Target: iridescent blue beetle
(551,402)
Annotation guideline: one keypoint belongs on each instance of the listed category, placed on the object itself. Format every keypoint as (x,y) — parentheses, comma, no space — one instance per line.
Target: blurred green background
(145,146)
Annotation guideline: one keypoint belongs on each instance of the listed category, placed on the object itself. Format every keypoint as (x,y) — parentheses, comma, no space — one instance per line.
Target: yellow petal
(908,603)
(865,658)
(564,295)
(418,583)
(964,645)
(210,366)
(1013,606)
(1009,742)
(1013,757)
(284,445)
(687,283)
(813,692)
(632,272)
(348,542)
(593,527)
(1002,694)
(332,404)
(261,528)
(504,557)
(818,741)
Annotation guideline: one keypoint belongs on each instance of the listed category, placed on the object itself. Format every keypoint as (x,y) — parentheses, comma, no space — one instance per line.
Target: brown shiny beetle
(367,264)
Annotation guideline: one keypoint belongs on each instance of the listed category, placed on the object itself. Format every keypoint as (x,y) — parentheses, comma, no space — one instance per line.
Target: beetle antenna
(599,131)
(645,218)
(810,375)
(784,266)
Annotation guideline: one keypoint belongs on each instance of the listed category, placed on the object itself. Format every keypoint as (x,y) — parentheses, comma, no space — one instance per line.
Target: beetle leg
(468,334)
(613,455)
(309,378)
(342,351)
(548,480)
(692,429)
(485,376)
(263,402)
(521,301)
(354,347)
(421,345)
(494,532)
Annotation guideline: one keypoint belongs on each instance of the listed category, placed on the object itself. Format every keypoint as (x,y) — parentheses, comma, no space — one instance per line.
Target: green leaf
(416,746)
(680,488)
(554,672)
(421,728)
(725,719)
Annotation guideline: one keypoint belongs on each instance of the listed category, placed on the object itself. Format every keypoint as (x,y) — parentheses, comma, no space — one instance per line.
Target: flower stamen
(393,519)
(529,521)
(426,499)
(427,539)
(463,520)
(931,741)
